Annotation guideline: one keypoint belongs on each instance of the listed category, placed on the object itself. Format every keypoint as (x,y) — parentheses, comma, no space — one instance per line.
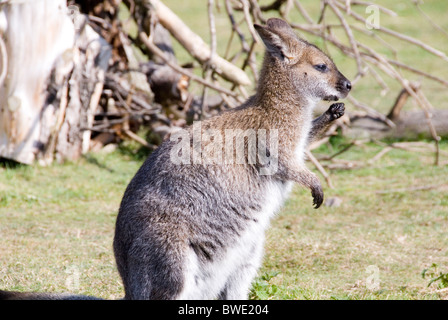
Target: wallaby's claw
(318,195)
(336,110)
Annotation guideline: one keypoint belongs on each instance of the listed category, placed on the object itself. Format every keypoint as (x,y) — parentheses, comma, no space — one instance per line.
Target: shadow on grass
(136,154)
(10,164)
(92,160)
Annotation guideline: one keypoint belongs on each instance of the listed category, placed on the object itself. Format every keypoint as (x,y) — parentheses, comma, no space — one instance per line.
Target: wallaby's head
(310,71)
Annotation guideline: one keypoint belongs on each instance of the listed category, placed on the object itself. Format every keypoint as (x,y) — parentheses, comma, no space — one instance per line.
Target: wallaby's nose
(347,85)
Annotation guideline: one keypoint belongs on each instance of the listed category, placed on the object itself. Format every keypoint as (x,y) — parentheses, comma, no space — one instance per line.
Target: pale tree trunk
(38,35)
(54,79)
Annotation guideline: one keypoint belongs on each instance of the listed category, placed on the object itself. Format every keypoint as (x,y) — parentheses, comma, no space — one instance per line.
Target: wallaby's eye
(321,67)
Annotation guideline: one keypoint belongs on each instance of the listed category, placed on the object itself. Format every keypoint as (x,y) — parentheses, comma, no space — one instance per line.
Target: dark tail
(13,295)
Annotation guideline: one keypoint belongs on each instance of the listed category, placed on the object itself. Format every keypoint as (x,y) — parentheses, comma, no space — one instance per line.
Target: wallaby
(196,230)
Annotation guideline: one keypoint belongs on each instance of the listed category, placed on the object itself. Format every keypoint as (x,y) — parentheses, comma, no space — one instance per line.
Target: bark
(55,74)
(25,117)
(85,86)
(409,125)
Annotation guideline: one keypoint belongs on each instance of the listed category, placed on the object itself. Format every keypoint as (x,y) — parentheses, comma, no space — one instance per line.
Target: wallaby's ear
(280,40)
(274,44)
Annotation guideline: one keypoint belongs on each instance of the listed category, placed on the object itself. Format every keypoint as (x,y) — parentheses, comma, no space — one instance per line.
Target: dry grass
(396,231)
(57,222)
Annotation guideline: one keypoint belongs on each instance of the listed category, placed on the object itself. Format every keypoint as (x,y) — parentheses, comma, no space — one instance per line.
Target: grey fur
(196,231)
(169,209)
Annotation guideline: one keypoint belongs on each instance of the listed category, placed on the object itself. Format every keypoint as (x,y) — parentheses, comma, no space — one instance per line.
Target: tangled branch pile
(137,81)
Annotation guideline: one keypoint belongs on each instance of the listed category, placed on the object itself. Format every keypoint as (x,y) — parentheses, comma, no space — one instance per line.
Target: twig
(435,25)
(287,9)
(419,72)
(379,79)
(138,139)
(144,38)
(377,37)
(229,45)
(381,8)
(371,111)
(323,6)
(394,112)
(401,36)
(346,50)
(195,45)
(273,6)
(379,154)
(235,26)
(350,36)
(48,154)
(303,12)
(346,148)
(251,61)
(413,146)
(386,66)
(344,165)
(93,105)
(123,103)
(208,66)
(256,12)
(248,19)
(211,19)
(320,168)
(424,103)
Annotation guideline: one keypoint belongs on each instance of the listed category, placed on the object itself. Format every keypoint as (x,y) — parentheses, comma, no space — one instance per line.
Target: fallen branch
(319,167)
(195,45)
(138,139)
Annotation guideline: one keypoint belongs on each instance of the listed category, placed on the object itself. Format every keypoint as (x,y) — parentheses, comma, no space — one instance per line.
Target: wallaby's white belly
(242,258)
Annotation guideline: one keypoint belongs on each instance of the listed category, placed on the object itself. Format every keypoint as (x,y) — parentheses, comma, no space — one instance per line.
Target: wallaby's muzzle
(343,86)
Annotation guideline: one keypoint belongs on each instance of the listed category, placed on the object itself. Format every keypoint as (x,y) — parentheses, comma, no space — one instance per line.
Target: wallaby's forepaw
(306,178)
(336,111)
(318,195)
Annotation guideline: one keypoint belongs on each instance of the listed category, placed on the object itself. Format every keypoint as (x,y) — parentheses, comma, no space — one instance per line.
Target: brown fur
(282,100)
(196,230)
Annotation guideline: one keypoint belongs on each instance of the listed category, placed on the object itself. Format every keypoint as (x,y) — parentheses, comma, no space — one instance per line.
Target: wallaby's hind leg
(150,267)
(153,278)
(239,282)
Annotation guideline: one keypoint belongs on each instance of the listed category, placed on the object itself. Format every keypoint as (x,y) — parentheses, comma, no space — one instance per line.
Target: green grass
(57,222)
(325,253)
